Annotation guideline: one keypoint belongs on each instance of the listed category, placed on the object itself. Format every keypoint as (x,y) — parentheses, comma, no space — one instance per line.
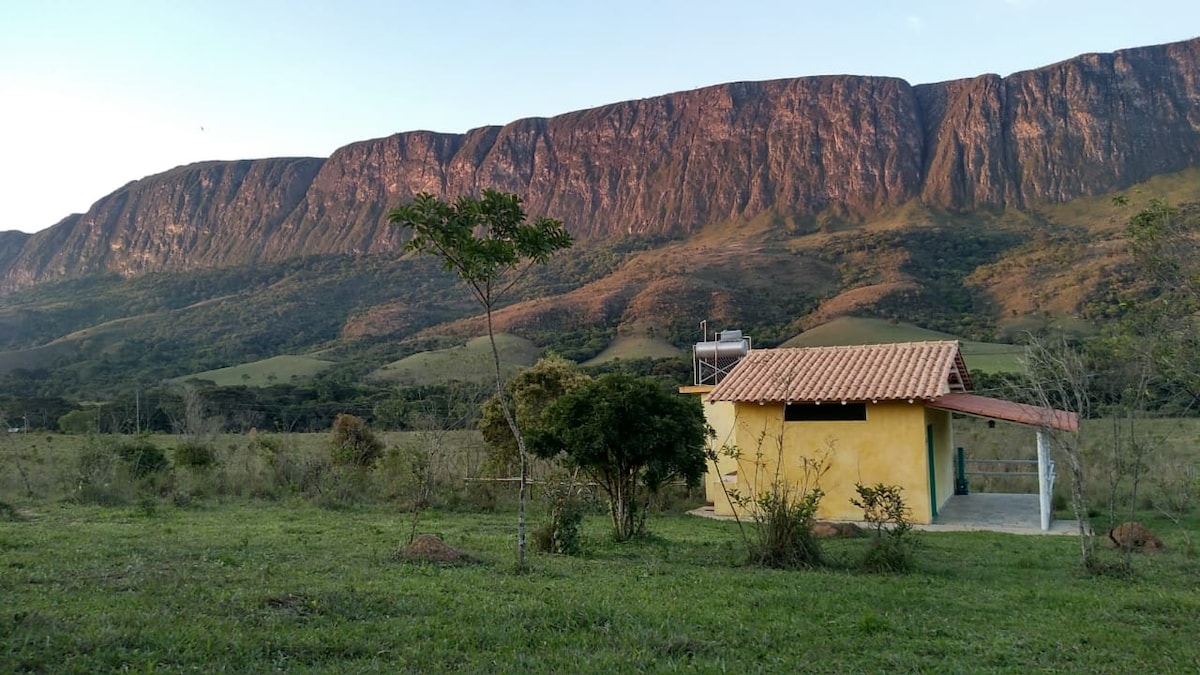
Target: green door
(932,470)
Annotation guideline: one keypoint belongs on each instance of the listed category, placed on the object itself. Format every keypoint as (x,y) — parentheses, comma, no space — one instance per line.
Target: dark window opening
(827,412)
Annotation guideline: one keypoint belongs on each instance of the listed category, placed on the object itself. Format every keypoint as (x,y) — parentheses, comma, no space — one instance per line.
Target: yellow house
(837,416)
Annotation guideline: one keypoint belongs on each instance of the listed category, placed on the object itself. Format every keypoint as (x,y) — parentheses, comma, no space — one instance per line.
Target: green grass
(254,587)
(471,362)
(1100,213)
(638,346)
(265,372)
(990,357)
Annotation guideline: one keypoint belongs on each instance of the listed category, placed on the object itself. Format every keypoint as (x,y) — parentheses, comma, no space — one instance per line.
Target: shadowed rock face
(844,145)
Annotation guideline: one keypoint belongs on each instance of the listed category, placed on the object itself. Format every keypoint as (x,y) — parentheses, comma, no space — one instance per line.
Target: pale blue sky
(101,92)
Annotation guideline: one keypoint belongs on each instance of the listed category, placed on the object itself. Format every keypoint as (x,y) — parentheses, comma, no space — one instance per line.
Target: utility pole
(137,409)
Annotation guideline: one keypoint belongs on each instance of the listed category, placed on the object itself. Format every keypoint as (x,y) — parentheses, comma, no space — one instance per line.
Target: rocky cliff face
(1091,125)
(844,145)
(202,215)
(11,244)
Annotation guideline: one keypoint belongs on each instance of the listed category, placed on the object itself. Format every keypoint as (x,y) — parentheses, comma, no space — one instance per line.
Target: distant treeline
(310,406)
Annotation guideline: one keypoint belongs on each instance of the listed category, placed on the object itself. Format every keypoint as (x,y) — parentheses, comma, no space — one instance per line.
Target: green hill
(265,372)
(639,346)
(471,362)
(989,357)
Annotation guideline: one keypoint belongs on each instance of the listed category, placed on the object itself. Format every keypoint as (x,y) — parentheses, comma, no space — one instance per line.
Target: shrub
(785,519)
(353,444)
(248,471)
(891,544)
(780,533)
(567,508)
(194,455)
(101,478)
(142,457)
(403,475)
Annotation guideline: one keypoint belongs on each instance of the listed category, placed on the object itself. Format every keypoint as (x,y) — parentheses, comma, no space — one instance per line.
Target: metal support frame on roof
(713,360)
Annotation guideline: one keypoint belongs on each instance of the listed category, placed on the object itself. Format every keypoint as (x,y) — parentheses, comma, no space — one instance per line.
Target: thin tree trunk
(516,431)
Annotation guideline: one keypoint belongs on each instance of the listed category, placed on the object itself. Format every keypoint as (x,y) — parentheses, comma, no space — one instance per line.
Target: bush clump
(567,509)
(353,444)
(891,545)
(785,536)
(142,457)
(194,455)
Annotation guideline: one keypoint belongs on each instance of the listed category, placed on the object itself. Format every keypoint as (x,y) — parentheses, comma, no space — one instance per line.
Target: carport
(1044,420)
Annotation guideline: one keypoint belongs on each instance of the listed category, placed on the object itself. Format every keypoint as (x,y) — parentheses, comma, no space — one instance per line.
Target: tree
(631,436)
(1058,378)
(531,391)
(489,244)
(1162,316)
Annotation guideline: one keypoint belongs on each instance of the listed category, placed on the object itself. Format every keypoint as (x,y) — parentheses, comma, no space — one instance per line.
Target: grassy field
(254,587)
(986,356)
(263,373)
(188,573)
(471,362)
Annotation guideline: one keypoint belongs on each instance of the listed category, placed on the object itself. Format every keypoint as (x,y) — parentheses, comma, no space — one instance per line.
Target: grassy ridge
(260,587)
(638,346)
(265,372)
(989,357)
(471,362)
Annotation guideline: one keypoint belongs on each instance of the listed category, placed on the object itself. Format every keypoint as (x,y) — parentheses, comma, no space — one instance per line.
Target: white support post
(1045,478)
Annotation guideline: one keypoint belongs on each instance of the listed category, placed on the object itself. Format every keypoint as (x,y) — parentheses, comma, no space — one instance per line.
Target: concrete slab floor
(986,512)
(996,512)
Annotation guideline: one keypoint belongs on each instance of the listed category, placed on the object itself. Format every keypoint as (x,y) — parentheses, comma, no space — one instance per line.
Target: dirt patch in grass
(1134,536)
(290,603)
(428,548)
(828,530)
(12,513)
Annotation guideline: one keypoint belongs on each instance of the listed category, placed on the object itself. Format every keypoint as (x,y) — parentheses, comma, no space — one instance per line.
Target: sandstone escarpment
(201,215)
(1086,126)
(842,145)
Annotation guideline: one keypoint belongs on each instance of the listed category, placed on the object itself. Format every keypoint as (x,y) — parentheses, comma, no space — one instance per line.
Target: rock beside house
(826,530)
(1134,536)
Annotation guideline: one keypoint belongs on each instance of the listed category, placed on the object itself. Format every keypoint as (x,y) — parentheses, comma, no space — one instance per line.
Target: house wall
(720,417)
(943,453)
(888,447)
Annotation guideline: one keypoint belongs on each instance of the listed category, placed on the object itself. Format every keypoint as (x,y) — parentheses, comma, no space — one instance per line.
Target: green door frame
(932,470)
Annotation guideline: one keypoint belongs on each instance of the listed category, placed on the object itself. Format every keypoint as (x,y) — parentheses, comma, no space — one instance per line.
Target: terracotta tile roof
(909,370)
(994,408)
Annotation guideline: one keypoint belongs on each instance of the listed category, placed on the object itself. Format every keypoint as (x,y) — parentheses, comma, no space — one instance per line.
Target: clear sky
(96,93)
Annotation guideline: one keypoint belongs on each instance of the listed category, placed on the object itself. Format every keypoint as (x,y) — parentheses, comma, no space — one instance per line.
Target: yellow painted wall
(889,447)
(720,417)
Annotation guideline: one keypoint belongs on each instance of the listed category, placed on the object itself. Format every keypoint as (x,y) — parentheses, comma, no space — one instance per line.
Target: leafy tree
(1162,322)
(489,244)
(631,436)
(531,392)
(77,422)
